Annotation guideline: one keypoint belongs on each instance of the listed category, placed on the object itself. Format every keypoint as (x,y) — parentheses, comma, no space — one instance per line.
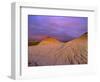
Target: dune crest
(49,41)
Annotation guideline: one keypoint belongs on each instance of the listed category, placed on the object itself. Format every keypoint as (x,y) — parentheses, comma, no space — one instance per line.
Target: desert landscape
(53,52)
(58,41)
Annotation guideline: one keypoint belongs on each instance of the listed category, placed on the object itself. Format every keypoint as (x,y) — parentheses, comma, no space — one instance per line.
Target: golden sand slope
(49,41)
(46,53)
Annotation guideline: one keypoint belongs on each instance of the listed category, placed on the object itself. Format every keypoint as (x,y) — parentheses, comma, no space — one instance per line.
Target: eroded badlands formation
(53,52)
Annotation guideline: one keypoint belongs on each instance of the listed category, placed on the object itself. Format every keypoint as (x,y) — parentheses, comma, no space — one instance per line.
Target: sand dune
(50,41)
(53,52)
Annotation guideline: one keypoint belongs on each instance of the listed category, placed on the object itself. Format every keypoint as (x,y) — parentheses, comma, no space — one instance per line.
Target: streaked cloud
(63,28)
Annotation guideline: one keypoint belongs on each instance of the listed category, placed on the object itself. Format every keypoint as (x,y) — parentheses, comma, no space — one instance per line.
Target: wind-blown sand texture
(54,52)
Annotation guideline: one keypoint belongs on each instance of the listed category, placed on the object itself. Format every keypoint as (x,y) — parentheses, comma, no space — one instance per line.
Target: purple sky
(63,28)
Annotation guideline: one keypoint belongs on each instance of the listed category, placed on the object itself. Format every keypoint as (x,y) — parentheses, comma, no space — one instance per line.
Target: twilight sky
(63,28)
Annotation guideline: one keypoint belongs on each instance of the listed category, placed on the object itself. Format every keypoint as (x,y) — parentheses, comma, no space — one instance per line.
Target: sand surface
(58,53)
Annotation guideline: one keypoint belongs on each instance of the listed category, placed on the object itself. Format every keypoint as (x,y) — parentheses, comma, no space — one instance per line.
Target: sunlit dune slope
(72,52)
(49,41)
